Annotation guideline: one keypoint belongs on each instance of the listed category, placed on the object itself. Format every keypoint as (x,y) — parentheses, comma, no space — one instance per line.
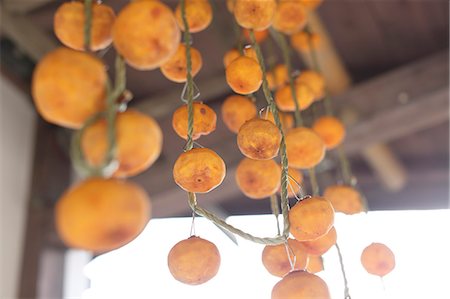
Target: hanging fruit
(244,75)
(301,285)
(174,69)
(290,17)
(345,199)
(378,259)
(259,139)
(322,244)
(305,148)
(198,14)
(254,14)
(236,110)
(205,120)
(276,260)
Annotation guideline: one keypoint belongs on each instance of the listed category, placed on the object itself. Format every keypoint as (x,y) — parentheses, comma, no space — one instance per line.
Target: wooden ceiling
(373,38)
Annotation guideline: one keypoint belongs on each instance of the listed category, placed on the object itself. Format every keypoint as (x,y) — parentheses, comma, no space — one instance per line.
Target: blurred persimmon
(305,42)
(330,129)
(236,110)
(301,285)
(314,81)
(175,68)
(310,4)
(322,244)
(287,120)
(198,15)
(260,35)
(139,142)
(199,170)
(275,257)
(244,75)
(194,260)
(315,264)
(254,14)
(378,259)
(295,179)
(311,218)
(205,120)
(285,101)
(259,139)
(146,34)
(68,87)
(281,75)
(345,199)
(101,214)
(305,149)
(230,56)
(258,179)
(68,24)
(290,16)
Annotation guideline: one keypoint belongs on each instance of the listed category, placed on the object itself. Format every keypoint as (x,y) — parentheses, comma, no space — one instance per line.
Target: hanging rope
(87,24)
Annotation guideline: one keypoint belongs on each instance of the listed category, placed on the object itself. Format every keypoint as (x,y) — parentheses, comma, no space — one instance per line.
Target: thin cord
(341,261)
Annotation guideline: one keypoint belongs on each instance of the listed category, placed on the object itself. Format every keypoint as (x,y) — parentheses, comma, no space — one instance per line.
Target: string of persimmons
(104,211)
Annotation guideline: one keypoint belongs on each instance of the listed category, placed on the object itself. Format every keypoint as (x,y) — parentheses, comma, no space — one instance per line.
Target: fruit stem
(87,24)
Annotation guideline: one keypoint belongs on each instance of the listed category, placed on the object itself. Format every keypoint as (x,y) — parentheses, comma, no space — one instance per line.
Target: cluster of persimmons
(100,214)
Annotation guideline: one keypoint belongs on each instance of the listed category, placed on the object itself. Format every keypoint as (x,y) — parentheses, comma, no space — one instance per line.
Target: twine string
(87,24)
(344,275)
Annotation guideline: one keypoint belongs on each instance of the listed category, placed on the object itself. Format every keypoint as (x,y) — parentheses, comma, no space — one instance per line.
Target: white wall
(17,130)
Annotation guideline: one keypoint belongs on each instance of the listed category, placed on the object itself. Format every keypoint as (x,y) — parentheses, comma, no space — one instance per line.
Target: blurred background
(386,64)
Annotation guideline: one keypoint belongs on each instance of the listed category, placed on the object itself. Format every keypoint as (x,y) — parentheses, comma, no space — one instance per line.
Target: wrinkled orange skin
(68,24)
(146,34)
(260,36)
(301,285)
(259,139)
(311,218)
(258,179)
(303,41)
(378,259)
(293,188)
(230,56)
(205,120)
(198,15)
(285,101)
(315,264)
(199,170)
(175,68)
(314,81)
(139,142)
(305,149)
(250,52)
(290,17)
(287,120)
(194,261)
(244,75)
(236,110)
(345,199)
(68,87)
(101,214)
(254,14)
(321,245)
(275,258)
(330,129)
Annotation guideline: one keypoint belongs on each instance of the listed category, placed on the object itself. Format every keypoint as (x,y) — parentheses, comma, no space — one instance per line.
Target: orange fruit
(68,24)
(345,199)
(305,42)
(315,264)
(305,149)
(322,244)
(293,188)
(175,68)
(330,129)
(311,218)
(260,36)
(194,260)
(258,179)
(236,110)
(101,214)
(68,87)
(254,14)
(314,81)
(205,120)
(378,259)
(301,285)
(275,258)
(230,56)
(290,17)
(259,139)
(198,15)
(285,101)
(281,75)
(199,170)
(146,34)
(244,75)
(287,120)
(139,142)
